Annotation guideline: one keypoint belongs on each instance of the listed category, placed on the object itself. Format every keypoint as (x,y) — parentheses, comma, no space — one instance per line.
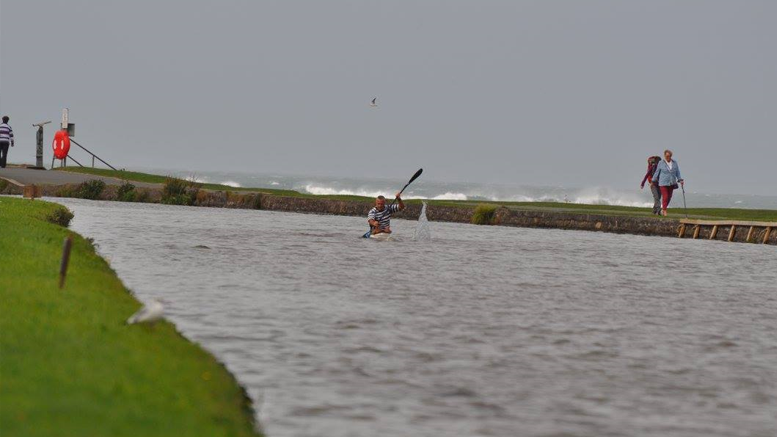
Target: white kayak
(381,237)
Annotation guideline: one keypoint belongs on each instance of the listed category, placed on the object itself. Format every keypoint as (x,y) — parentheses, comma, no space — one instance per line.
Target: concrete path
(26,176)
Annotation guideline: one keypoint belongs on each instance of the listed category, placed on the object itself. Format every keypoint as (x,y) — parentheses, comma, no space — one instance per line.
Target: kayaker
(379,217)
(667,176)
(651,168)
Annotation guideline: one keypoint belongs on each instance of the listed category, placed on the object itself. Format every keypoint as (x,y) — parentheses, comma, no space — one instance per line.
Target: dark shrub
(90,189)
(126,193)
(60,216)
(66,191)
(142,196)
(179,192)
(484,215)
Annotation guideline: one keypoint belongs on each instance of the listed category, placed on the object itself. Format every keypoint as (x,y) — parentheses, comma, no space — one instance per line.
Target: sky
(548,93)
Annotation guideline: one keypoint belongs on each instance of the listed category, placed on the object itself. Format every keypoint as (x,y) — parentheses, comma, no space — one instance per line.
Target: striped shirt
(383,217)
(6,133)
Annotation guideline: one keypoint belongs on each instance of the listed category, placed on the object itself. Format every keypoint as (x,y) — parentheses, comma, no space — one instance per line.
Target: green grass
(158,179)
(484,214)
(675,210)
(68,364)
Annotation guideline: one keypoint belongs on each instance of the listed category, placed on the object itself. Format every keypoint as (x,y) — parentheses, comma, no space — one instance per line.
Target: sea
(455,329)
(436,190)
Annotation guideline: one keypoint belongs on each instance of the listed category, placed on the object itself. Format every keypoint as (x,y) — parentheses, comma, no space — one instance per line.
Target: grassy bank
(675,212)
(68,364)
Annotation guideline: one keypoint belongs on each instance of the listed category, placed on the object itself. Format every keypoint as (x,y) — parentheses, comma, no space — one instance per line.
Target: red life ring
(61,144)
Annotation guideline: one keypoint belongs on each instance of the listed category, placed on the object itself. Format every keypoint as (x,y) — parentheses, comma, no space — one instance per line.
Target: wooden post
(681,233)
(766,234)
(31,191)
(696,231)
(732,233)
(714,232)
(750,234)
(65,260)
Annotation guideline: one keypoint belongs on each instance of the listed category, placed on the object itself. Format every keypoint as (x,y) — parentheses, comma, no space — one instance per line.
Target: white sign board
(64,118)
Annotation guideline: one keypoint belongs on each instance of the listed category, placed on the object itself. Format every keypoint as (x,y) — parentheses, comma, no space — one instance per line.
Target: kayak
(381,237)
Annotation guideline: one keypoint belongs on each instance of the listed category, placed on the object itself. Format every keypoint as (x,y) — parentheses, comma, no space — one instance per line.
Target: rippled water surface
(482,331)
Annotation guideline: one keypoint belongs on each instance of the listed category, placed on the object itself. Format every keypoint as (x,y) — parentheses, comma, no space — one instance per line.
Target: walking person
(667,176)
(651,168)
(6,140)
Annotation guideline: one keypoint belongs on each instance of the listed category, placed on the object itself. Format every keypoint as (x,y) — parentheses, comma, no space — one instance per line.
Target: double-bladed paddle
(415,176)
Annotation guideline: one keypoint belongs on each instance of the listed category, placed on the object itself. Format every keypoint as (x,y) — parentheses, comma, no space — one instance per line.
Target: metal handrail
(93,155)
(74,160)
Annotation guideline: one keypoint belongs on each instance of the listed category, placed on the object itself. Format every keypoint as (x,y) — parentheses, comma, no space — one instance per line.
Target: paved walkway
(26,176)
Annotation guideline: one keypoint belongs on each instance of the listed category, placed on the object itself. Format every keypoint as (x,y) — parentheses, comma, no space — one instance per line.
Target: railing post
(732,233)
(750,234)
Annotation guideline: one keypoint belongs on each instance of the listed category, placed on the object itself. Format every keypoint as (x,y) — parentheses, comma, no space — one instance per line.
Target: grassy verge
(70,367)
(158,179)
(675,212)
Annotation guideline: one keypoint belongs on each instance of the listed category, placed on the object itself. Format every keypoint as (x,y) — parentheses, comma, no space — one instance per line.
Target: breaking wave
(231,184)
(468,191)
(594,196)
(328,191)
(196,179)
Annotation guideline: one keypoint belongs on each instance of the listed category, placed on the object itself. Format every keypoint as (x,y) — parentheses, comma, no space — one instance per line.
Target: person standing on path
(6,140)
(652,164)
(667,176)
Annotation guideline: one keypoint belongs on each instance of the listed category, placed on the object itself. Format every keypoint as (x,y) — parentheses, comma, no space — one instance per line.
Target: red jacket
(649,175)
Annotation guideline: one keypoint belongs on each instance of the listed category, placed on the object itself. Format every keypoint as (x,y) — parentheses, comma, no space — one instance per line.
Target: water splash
(422,232)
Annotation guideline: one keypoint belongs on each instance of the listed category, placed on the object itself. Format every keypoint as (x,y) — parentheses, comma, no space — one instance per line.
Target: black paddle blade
(415,176)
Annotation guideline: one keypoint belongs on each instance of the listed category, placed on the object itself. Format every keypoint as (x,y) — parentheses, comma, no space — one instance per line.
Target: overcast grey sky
(573,93)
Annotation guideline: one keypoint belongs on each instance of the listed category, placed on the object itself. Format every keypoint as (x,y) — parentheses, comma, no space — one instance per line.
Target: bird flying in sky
(374,103)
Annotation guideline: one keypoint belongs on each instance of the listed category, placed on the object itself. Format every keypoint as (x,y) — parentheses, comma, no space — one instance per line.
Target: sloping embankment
(70,367)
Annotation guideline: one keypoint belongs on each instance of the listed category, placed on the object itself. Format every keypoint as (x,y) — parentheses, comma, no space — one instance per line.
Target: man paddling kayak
(379,217)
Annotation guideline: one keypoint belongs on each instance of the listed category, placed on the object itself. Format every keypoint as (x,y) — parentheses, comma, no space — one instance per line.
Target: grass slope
(675,209)
(68,364)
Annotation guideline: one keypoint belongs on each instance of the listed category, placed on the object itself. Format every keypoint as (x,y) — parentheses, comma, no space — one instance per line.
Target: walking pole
(685,206)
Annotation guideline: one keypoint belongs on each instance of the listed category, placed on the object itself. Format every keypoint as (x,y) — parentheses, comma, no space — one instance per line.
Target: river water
(481,331)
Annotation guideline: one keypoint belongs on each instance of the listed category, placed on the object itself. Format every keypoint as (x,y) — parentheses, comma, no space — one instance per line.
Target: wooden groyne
(729,230)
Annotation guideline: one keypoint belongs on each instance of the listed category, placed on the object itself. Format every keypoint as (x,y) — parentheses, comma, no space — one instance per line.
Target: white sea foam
(591,196)
(231,184)
(329,191)
(198,180)
(606,196)
(275,183)
(446,196)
